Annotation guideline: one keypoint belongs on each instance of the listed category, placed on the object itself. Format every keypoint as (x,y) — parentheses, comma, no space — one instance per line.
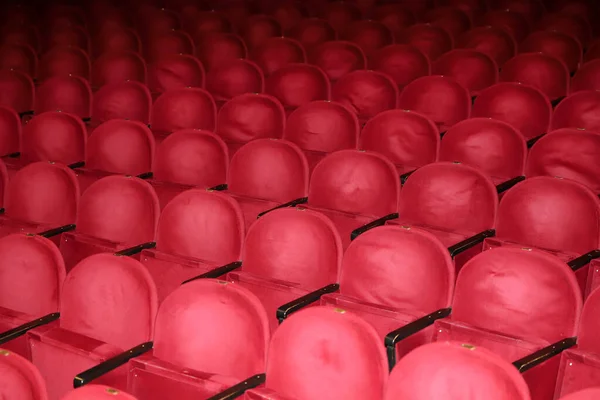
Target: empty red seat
(495,42)
(86,334)
(396,17)
(441,99)
(250,116)
(455,371)
(489,145)
(10,131)
(277,52)
(452,19)
(182,109)
(20,57)
(68,36)
(167,44)
(567,153)
(556,44)
(20,379)
(515,302)
(65,61)
(175,71)
(71,94)
(512,22)
(16,91)
(340,15)
(572,25)
(587,77)
(295,85)
(522,106)
(296,369)
(473,69)
(366,93)
(593,51)
(586,394)
(579,110)
(258,29)
(116,39)
(97,392)
(31,275)
(338,58)
(433,41)
(401,62)
(152,20)
(233,79)
(205,23)
(122,100)
(408,139)
(118,66)
(115,212)
(369,35)
(219,49)
(531,9)
(197,231)
(23,34)
(288,14)
(311,32)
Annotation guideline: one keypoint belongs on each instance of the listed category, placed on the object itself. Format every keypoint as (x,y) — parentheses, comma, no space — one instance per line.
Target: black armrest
(373,224)
(285,310)
(470,242)
(583,260)
(392,338)
(292,203)
(136,249)
(13,155)
(22,329)
(145,175)
(239,389)
(530,361)
(405,176)
(219,188)
(78,164)
(556,102)
(217,272)
(504,186)
(105,367)
(57,231)
(532,141)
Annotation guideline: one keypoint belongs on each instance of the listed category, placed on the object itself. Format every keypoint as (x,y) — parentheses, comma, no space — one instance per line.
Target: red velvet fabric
(452,19)
(589,326)
(258,29)
(455,371)
(569,24)
(514,23)
(325,353)
(489,145)
(235,78)
(311,32)
(216,50)
(64,61)
(203,317)
(192,157)
(65,144)
(118,66)
(97,392)
(340,15)
(550,213)
(338,58)
(586,394)
(167,44)
(587,77)
(44,193)
(75,36)
(367,93)
(70,94)
(433,41)
(116,39)
(277,52)
(531,9)
(442,99)
(369,35)
(579,110)
(20,379)
(473,69)
(401,62)
(545,73)
(184,108)
(205,22)
(408,139)
(396,17)
(10,131)
(295,85)
(524,107)
(122,100)
(556,44)
(175,71)
(495,42)
(16,91)
(20,57)
(567,153)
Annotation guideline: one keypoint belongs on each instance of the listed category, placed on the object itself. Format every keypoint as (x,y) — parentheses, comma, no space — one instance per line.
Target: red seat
(233,79)
(250,116)
(433,41)
(369,35)
(32,272)
(441,99)
(68,36)
(366,93)
(311,32)
(22,34)
(20,57)
(20,379)
(193,327)
(295,85)
(396,17)
(216,50)
(489,145)
(556,44)
(586,394)
(296,367)
(167,44)
(569,24)
(97,392)
(587,77)
(524,107)
(197,231)
(514,23)
(580,367)
(16,91)
(322,127)
(175,71)
(567,153)
(530,9)
(455,371)
(116,39)
(515,302)
(103,292)
(277,52)
(205,23)
(579,110)
(265,173)
(401,62)
(258,29)
(340,15)
(10,131)
(408,139)
(115,212)
(71,94)
(473,69)
(122,100)
(495,42)
(452,19)
(65,61)
(338,58)
(118,66)
(288,14)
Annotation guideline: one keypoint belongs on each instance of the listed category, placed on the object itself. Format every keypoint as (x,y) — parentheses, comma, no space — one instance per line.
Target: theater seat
(97,392)
(20,379)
